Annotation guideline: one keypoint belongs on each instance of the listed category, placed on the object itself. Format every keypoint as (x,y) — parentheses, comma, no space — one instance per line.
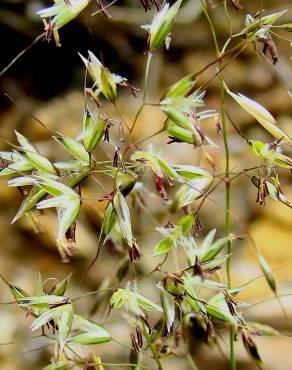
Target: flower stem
(151,346)
(156,133)
(19,55)
(227,175)
(136,118)
(191,362)
(149,57)
(146,74)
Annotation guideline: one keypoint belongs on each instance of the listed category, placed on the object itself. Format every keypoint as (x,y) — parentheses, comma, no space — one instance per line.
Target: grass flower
(59,14)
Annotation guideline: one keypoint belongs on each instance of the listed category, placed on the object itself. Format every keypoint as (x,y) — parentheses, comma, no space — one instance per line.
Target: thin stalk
(151,346)
(284,311)
(225,139)
(104,8)
(233,364)
(261,276)
(265,300)
(121,117)
(278,36)
(146,75)
(74,353)
(261,9)
(156,269)
(227,17)
(176,264)
(122,344)
(156,133)
(227,176)
(94,292)
(15,342)
(224,66)
(118,364)
(149,57)
(191,362)
(15,59)
(21,354)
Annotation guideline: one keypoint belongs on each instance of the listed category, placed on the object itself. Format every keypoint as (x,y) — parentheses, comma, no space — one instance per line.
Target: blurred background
(47,82)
